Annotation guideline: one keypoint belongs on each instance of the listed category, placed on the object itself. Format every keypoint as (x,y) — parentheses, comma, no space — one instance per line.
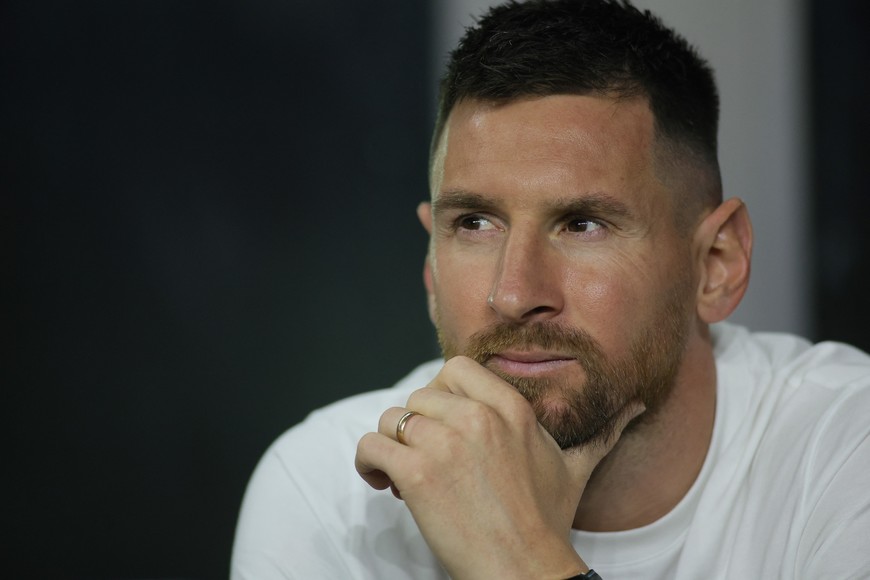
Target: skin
(550,210)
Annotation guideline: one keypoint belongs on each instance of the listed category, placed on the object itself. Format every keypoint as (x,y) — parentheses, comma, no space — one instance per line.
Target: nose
(527,285)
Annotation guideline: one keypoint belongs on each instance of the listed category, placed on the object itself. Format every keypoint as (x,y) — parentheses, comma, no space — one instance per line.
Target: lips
(530,363)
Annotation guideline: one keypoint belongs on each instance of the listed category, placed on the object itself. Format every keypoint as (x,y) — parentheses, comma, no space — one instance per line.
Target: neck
(652,467)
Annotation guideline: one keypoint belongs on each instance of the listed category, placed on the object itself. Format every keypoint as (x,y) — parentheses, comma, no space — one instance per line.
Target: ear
(424,213)
(723,244)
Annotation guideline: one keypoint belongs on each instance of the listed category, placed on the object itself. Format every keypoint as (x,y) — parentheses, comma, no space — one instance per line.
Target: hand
(489,488)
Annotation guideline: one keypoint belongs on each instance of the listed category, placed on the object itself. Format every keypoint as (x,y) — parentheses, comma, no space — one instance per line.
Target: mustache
(549,336)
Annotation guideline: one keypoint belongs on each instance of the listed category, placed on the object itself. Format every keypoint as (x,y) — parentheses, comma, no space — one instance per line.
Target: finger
(630,411)
(376,457)
(583,460)
(463,376)
(439,404)
(388,424)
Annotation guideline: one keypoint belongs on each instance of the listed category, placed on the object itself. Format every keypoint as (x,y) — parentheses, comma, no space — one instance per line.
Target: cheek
(461,292)
(609,300)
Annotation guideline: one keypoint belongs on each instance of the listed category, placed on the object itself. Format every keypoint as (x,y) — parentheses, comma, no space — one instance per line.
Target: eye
(474,223)
(583,225)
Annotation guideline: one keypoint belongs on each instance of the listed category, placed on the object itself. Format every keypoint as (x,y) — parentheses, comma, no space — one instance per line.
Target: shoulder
(773,364)
(795,445)
(780,382)
(305,506)
(326,440)
(792,407)
(800,402)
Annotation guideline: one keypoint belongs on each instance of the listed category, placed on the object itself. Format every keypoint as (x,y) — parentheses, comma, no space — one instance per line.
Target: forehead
(559,144)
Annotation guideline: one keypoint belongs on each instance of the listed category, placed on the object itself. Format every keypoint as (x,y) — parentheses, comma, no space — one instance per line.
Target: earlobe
(424,214)
(724,245)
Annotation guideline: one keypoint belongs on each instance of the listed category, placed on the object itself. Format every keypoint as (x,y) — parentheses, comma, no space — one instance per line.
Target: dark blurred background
(211,208)
(840,156)
(208,230)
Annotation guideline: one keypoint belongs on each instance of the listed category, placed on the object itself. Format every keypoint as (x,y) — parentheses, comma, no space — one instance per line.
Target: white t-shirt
(784,491)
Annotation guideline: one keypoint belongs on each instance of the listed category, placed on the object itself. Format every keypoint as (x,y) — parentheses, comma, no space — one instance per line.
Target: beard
(578,410)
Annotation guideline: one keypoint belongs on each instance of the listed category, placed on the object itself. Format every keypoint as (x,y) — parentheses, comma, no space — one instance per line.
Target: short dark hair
(591,47)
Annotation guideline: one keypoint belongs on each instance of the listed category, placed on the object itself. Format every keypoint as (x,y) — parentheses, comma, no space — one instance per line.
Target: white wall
(757,49)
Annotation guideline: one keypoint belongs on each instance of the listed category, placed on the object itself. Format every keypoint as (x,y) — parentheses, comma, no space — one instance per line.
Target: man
(587,415)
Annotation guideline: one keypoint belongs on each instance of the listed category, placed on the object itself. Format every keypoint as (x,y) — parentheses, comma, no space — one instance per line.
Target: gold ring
(400,427)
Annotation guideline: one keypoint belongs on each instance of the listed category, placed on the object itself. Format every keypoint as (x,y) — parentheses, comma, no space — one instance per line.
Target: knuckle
(419,472)
(364,444)
(458,363)
(386,423)
(519,411)
(480,419)
(415,398)
(451,440)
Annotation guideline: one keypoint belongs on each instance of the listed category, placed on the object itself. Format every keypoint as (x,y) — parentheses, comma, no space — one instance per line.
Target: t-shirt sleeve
(836,540)
(280,533)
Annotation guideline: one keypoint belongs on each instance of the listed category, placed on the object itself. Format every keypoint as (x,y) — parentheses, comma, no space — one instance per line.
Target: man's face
(554,256)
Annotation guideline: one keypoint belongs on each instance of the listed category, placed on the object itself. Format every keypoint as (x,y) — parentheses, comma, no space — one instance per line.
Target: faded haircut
(609,48)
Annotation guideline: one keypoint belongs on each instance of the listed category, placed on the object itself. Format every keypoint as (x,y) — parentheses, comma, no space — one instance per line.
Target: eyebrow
(594,203)
(458,199)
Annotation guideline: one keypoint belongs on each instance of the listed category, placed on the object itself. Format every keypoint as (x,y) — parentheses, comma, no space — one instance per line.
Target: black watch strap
(590,575)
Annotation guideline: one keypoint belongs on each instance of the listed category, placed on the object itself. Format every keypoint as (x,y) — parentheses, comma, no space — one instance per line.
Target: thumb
(583,459)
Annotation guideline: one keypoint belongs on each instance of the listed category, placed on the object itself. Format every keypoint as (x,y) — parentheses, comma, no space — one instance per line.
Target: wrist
(588,575)
(565,564)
